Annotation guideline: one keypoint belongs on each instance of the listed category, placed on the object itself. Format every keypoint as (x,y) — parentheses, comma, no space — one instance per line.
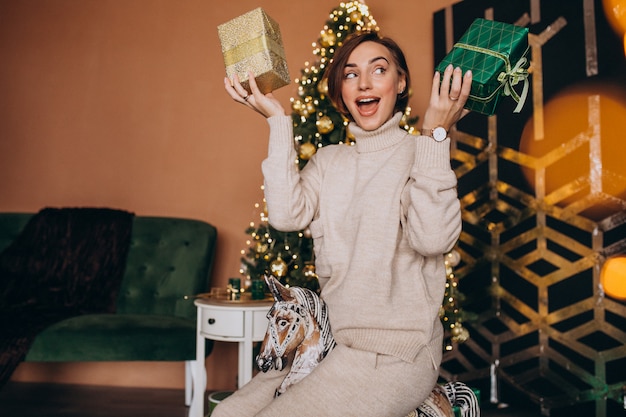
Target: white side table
(243,321)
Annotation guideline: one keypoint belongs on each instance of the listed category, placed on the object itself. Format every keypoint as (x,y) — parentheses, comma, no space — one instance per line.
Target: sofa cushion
(169,261)
(11,225)
(116,337)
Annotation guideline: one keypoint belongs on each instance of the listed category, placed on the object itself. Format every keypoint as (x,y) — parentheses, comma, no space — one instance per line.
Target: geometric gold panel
(544,325)
(543,197)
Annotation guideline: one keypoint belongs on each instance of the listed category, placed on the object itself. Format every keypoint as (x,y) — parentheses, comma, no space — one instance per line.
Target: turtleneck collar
(387,135)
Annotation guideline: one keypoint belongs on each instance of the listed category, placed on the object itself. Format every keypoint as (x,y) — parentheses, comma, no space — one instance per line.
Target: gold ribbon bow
(508,78)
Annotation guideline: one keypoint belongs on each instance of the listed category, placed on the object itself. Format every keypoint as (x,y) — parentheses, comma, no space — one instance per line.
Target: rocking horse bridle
(300,312)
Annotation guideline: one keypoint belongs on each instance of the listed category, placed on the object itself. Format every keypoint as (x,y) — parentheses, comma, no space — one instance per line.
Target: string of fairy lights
(450,311)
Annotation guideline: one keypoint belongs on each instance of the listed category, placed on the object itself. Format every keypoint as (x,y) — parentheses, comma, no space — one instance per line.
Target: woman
(382,213)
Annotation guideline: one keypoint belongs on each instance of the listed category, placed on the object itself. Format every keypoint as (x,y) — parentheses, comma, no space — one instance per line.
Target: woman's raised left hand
(447,98)
(265,104)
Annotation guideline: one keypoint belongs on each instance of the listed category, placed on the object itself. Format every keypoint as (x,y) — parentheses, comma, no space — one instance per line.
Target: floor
(60,400)
(53,400)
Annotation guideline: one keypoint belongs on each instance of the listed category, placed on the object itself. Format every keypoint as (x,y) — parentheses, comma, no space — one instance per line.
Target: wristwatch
(439,133)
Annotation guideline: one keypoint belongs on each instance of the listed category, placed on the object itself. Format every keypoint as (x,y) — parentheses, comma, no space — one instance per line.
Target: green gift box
(497,54)
(253,41)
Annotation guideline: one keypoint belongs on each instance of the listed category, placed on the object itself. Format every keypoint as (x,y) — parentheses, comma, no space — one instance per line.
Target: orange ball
(615,11)
(564,148)
(613,277)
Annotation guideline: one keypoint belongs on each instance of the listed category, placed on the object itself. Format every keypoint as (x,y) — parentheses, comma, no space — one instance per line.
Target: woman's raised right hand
(264,104)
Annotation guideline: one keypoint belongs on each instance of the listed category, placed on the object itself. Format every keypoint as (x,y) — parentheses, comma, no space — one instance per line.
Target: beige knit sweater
(382,213)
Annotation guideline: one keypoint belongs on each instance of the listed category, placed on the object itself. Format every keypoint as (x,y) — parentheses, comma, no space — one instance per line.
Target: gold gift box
(252,42)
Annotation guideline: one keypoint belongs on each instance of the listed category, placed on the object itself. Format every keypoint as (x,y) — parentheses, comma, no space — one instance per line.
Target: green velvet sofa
(169,261)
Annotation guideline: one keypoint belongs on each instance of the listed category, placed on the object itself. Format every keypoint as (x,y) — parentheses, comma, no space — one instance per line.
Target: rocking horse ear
(279,291)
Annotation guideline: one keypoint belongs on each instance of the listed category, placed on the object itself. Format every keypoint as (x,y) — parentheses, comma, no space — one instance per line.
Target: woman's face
(371,84)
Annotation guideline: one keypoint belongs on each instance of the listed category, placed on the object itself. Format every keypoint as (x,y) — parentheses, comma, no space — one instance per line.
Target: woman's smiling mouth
(367,105)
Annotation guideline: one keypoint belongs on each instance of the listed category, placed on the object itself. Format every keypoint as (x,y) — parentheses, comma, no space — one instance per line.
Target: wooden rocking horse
(298,322)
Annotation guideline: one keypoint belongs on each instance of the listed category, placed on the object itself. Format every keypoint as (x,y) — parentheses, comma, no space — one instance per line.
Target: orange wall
(121,104)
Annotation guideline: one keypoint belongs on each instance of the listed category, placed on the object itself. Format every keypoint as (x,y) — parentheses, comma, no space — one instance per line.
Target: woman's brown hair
(334,73)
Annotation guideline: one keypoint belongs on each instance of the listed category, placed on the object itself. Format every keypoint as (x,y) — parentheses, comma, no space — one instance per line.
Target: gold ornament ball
(309,108)
(307,233)
(297,106)
(322,86)
(261,247)
(328,38)
(355,16)
(278,268)
(324,125)
(459,334)
(306,151)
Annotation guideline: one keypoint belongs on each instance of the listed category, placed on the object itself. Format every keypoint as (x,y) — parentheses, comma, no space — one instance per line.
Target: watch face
(439,133)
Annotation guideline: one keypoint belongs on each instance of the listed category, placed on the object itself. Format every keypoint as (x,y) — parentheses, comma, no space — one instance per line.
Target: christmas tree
(450,313)
(286,255)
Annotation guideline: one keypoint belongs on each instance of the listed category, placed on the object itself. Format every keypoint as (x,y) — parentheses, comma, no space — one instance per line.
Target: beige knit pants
(348,383)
